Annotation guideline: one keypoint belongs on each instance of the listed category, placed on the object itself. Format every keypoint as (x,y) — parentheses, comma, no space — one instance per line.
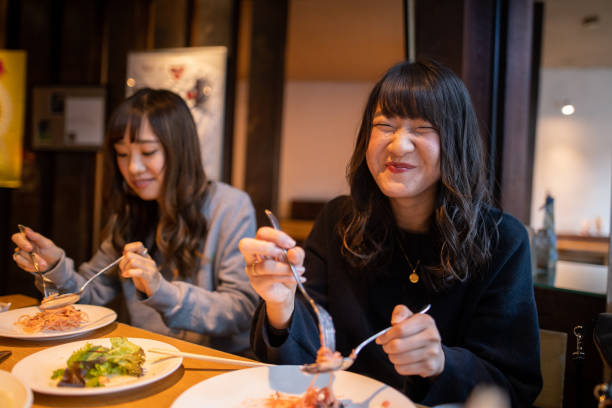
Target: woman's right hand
(46,252)
(269,275)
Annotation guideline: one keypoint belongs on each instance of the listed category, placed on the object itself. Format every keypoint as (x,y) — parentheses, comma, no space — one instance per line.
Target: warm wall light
(567,109)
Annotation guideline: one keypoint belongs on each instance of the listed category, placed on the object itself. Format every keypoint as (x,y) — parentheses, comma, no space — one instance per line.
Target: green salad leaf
(92,365)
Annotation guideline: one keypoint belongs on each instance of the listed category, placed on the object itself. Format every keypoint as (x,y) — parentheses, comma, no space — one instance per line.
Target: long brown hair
(176,221)
(424,89)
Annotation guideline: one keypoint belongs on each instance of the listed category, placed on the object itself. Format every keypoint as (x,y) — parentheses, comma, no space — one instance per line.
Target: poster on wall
(68,118)
(12,106)
(197,74)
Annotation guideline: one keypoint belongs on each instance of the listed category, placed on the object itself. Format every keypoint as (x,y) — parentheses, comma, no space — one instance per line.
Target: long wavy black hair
(460,221)
(176,220)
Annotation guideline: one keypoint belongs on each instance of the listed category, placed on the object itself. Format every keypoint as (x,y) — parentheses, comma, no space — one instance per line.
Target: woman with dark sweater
(417,229)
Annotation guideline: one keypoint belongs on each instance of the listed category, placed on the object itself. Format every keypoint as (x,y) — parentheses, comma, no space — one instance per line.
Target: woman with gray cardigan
(190,283)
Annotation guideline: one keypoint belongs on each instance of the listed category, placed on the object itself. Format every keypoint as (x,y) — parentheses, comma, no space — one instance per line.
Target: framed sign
(68,118)
(197,74)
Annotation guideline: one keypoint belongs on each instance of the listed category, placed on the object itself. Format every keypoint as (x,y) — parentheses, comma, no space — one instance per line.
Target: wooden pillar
(171,20)
(129,29)
(518,144)
(609,280)
(488,44)
(202,23)
(214,23)
(266,79)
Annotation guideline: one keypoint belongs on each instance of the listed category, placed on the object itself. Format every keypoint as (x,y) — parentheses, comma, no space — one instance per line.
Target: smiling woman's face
(142,162)
(403,156)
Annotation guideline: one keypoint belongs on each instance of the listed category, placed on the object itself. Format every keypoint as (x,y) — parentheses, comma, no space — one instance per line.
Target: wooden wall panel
(58,199)
(266,80)
(171,23)
(477,64)
(129,28)
(29,29)
(439,30)
(518,141)
(73,194)
(80,51)
(215,23)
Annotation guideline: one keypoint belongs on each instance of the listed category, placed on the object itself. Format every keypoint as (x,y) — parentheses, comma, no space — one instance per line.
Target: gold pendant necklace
(414,276)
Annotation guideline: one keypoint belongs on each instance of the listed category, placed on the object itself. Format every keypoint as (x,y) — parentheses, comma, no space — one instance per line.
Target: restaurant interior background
(298,76)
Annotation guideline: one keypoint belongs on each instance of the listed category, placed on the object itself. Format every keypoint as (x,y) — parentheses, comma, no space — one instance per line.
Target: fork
(326,325)
(342,363)
(46,291)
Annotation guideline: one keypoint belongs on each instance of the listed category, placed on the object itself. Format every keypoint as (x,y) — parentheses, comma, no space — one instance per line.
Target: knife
(4,354)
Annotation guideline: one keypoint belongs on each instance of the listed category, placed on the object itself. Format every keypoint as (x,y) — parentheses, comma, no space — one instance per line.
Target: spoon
(342,363)
(55,302)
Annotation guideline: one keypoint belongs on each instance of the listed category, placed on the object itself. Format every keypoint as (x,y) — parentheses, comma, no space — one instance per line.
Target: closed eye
(422,130)
(383,126)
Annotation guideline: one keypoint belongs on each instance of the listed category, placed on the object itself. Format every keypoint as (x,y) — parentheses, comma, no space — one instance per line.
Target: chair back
(553,349)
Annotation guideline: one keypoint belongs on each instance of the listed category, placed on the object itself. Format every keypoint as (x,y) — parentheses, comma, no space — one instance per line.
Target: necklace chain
(414,276)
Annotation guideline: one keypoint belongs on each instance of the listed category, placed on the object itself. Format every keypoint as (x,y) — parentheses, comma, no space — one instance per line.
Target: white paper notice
(84,124)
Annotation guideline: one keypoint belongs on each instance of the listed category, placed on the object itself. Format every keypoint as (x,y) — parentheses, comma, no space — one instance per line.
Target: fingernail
(289,243)
(302,279)
(300,269)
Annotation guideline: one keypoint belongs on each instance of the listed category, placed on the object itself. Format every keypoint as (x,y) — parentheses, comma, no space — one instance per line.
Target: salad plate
(99,316)
(37,369)
(254,387)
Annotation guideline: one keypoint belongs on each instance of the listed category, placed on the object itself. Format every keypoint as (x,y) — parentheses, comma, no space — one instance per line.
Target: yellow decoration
(12,111)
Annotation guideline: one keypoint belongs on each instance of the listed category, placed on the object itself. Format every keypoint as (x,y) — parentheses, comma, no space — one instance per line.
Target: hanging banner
(12,108)
(197,74)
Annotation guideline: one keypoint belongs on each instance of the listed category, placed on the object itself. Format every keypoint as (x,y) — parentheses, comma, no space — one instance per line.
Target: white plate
(248,388)
(36,369)
(13,393)
(99,316)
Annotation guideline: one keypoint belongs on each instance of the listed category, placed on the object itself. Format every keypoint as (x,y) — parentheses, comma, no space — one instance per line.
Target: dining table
(161,393)
(157,394)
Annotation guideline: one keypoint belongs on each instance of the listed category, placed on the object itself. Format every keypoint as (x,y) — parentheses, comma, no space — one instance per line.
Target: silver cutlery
(203,357)
(326,325)
(342,363)
(71,298)
(4,354)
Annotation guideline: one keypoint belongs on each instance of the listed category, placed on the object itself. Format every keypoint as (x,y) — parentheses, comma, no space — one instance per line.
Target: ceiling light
(568,109)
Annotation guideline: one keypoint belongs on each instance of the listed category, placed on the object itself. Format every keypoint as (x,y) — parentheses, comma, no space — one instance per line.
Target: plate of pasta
(288,387)
(32,323)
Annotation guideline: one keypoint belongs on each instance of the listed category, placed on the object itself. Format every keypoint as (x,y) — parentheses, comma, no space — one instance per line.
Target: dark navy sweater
(488,324)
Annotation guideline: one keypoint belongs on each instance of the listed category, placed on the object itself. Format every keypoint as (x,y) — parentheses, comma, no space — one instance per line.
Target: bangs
(410,95)
(128,119)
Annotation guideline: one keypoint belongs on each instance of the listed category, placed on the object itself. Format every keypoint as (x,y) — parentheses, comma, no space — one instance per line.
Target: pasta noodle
(312,398)
(61,319)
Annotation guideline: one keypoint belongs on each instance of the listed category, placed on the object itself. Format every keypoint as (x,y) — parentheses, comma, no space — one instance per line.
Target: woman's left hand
(141,268)
(413,344)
